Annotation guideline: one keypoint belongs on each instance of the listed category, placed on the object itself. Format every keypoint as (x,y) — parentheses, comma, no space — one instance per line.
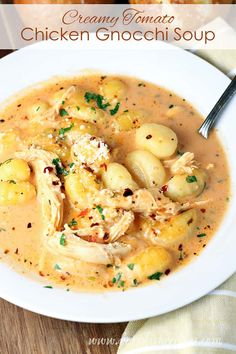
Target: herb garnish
(97,98)
(5,162)
(63,112)
(63,240)
(48,287)
(62,131)
(57,267)
(73,222)
(155,276)
(201,235)
(130,266)
(115,109)
(191,179)
(121,284)
(38,108)
(12,181)
(116,278)
(100,210)
(59,168)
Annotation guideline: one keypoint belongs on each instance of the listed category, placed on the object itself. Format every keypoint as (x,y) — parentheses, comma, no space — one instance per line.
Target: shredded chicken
(48,186)
(142,201)
(91,252)
(182,164)
(50,115)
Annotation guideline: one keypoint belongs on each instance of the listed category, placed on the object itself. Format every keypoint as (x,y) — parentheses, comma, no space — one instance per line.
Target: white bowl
(188,76)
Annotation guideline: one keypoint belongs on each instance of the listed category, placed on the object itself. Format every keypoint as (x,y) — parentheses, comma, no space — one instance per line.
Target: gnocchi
(117,177)
(182,187)
(146,169)
(14,169)
(160,140)
(86,113)
(13,193)
(128,120)
(149,261)
(113,89)
(178,228)
(79,188)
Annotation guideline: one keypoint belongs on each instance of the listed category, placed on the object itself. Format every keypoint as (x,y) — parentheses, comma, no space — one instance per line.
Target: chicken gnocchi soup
(105,183)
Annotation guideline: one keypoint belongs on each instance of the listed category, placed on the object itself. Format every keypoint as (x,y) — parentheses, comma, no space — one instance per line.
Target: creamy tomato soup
(105,183)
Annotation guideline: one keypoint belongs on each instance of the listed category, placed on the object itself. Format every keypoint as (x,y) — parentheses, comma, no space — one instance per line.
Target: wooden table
(23,332)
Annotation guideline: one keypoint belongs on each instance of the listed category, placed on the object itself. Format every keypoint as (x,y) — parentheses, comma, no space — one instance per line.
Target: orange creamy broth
(22,226)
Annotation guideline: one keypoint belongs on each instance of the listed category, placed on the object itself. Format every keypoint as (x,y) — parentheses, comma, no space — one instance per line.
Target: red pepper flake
(106,236)
(55,183)
(6,251)
(63,277)
(203,210)
(164,188)
(84,212)
(127,192)
(149,137)
(180,248)
(103,165)
(190,221)
(167,271)
(41,274)
(48,169)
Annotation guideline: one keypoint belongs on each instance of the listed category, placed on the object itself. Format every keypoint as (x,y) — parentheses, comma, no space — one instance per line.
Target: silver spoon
(212,117)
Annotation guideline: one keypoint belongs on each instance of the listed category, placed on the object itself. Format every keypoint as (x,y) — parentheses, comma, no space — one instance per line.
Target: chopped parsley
(62,102)
(63,112)
(73,222)
(115,109)
(59,168)
(78,108)
(117,278)
(155,276)
(180,153)
(100,210)
(71,165)
(57,267)
(135,282)
(5,162)
(201,235)
(97,98)
(48,287)
(12,181)
(130,266)
(62,131)
(121,284)
(191,179)
(63,240)
(38,108)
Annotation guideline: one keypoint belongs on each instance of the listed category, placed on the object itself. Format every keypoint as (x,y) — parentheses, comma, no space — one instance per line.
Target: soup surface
(105,183)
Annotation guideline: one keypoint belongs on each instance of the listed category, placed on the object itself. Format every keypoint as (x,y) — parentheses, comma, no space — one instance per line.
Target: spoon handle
(213,115)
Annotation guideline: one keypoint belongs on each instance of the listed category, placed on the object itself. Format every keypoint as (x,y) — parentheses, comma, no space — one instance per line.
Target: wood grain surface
(24,332)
